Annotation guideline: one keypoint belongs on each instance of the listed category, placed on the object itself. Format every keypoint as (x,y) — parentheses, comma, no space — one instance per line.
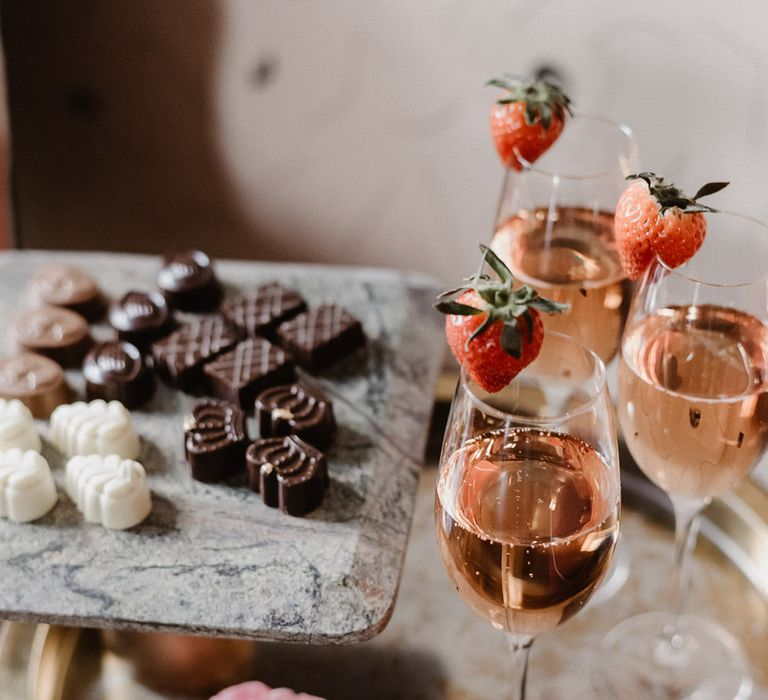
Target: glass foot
(648,657)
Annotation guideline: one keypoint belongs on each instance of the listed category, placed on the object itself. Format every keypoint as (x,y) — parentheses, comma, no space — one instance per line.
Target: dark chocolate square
(260,311)
(321,336)
(252,366)
(179,358)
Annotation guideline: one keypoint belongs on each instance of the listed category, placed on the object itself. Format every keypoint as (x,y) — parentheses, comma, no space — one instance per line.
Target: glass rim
(677,272)
(618,126)
(599,373)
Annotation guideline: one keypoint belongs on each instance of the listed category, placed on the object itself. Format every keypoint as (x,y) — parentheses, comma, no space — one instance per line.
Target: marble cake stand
(212,559)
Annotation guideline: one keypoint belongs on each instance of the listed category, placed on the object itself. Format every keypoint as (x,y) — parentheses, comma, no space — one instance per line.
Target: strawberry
(493,329)
(654,218)
(527,119)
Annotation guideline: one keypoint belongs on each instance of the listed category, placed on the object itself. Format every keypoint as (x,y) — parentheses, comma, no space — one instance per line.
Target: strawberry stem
(502,302)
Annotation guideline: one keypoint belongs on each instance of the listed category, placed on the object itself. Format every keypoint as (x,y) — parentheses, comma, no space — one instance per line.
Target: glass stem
(686,529)
(519,649)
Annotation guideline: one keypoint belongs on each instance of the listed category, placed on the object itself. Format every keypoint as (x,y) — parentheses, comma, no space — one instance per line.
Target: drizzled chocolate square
(254,365)
(179,358)
(260,311)
(321,336)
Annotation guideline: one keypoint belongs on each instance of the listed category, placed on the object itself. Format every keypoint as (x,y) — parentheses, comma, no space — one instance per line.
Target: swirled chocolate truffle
(289,474)
(37,381)
(57,333)
(68,287)
(294,408)
(116,371)
(141,318)
(188,281)
(321,336)
(255,364)
(259,312)
(215,440)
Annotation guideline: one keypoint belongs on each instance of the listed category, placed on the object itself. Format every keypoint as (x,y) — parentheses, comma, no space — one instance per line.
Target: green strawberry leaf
(497,264)
(530,113)
(709,188)
(510,340)
(453,292)
(480,330)
(546,116)
(454,308)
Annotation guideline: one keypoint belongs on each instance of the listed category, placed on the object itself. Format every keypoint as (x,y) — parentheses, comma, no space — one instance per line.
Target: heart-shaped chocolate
(289,473)
(215,439)
(294,408)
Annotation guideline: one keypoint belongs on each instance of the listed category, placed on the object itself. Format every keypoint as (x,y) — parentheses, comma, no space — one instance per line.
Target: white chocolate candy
(109,490)
(17,427)
(97,427)
(27,491)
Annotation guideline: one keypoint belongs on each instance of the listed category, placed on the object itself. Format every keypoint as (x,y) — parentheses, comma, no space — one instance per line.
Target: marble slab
(213,559)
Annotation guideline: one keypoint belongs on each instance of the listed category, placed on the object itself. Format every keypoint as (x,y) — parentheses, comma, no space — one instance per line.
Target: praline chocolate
(255,364)
(37,381)
(179,358)
(260,311)
(215,440)
(69,287)
(141,318)
(321,336)
(188,281)
(59,334)
(289,473)
(115,371)
(294,408)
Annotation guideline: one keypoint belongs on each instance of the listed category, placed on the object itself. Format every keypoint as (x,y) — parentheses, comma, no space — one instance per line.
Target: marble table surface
(212,559)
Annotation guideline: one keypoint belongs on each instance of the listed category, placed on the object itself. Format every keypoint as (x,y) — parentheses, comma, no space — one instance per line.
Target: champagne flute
(693,407)
(554,229)
(527,501)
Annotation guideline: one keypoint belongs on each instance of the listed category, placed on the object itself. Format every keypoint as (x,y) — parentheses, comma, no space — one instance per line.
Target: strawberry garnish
(493,329)
(653,217)
(526,119)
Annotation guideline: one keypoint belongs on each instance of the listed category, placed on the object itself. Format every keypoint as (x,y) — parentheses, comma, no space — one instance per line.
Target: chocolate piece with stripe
(321,336)
(188,281)
(289,473)
(140,318)
(260,311)
(294,408)
(179,358)
(115,371)
(239,375)
(215,440)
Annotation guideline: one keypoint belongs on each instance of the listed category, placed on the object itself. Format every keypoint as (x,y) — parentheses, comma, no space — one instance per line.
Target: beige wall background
(350,130)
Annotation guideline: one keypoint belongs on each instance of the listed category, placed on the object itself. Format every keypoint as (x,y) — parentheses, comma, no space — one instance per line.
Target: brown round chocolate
(57,333)
(69,287)
(36,381)
(188,281)
(115,371)
(140,318)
